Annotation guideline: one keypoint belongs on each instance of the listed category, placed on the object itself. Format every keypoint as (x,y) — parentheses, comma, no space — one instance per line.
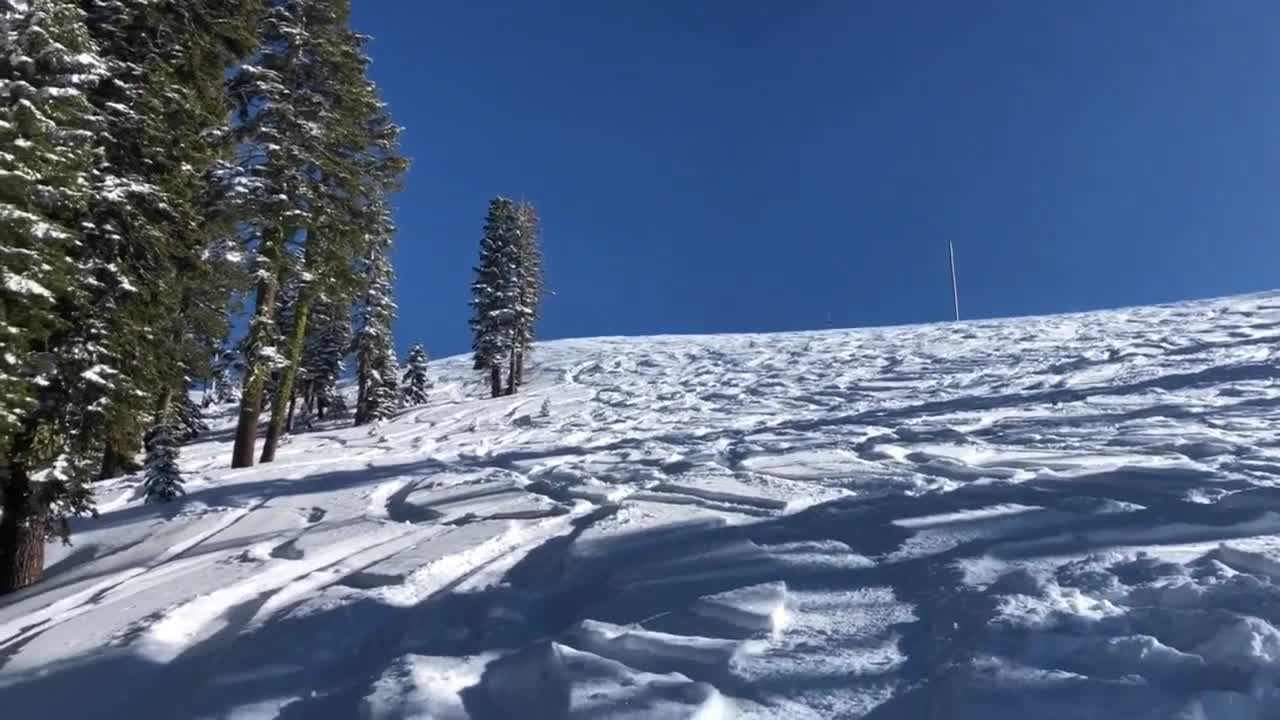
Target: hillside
(1073,516)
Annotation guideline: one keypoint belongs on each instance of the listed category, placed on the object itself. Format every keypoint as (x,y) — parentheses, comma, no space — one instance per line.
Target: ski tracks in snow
(112,588)
(950,521)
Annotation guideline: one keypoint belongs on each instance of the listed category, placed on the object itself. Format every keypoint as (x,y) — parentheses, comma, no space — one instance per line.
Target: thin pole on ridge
(955,288)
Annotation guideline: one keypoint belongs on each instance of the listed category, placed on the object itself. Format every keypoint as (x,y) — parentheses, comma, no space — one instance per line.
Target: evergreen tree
(327,346)
(495,292)
(531,288)
(51,380)
(187,421)
(416,383)
(162,480)
(385,396)
(225,366)
(375,349)
(338,408)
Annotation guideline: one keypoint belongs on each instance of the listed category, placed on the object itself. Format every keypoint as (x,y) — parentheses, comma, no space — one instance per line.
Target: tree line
(171,166)
(164,167)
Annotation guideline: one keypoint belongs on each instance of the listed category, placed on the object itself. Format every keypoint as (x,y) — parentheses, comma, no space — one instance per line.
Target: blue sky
(750,165)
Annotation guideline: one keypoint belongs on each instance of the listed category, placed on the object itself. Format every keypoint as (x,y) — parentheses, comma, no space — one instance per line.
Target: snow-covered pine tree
(416,383)
(531,288)
(495,292)
(225,369)
(187,421)
(127,242)
(374,343)
(162,479)
(385,397)
(327,346)
(50,380)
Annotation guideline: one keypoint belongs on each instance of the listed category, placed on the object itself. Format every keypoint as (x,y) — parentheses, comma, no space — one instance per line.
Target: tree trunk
(293,405)
(119,456)
(495,380)
(255,378)
(22,534)
(163,403)
(271,438)
(362,391)
(513,373)
(520,370)
(284,392)
(112,464)
(247,424)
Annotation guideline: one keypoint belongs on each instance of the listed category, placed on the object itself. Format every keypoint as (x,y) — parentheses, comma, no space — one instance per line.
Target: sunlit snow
(1068,516)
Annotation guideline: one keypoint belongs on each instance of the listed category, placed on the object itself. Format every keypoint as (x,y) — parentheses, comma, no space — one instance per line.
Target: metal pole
(955,288)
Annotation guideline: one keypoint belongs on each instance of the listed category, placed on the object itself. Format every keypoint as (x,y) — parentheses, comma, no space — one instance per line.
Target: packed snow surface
(1063,517)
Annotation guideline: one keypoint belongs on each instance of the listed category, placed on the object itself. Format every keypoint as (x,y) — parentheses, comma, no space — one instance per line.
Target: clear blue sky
(751,165)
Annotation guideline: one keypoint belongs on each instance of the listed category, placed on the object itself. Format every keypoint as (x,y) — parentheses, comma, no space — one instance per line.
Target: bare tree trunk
(22,532)
(284,391)
(495,380)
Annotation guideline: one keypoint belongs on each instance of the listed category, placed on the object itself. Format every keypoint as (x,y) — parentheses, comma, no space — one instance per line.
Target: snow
(1064,516)
(20,285)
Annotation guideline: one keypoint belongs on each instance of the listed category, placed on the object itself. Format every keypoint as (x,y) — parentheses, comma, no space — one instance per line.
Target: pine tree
(187,421)
(224,369)
(50,379)
(416,383)
(162,480)
(531,288)
(327,346)
(127,243)
(495,292)
(375,349)
(385,396)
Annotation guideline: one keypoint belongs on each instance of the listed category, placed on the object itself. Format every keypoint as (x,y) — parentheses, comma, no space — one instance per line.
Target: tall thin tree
(495,292)
(531,288)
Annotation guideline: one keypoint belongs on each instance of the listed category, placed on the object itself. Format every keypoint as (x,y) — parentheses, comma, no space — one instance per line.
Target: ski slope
(1074,516)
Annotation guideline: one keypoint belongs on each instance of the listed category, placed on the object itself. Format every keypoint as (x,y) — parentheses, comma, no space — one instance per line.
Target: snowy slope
(1061,517)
